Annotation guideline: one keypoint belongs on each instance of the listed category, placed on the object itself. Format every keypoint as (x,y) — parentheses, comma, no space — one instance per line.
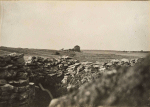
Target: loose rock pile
(52,71)
(83,72)
(48,72)
(128,86)
(70,73)
(15,89)
(63,73)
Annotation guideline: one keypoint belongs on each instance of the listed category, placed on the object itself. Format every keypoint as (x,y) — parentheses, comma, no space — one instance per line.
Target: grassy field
(84,55)
(103,55)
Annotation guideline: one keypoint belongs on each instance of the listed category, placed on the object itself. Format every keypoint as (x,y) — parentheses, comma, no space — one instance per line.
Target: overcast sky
(101,25)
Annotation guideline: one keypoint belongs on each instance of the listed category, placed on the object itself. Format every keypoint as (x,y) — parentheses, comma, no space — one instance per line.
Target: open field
(84,55)
(42,99)
(102,55)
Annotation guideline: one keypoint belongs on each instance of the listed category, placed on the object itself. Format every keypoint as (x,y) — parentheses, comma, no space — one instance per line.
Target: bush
(57,53)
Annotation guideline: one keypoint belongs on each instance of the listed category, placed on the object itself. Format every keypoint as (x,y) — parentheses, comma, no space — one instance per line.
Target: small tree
(76,48)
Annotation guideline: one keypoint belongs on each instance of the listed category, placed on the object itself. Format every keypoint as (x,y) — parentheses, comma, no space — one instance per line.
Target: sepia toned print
(74,53)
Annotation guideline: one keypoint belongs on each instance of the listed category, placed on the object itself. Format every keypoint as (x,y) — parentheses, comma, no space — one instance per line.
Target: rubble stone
(125,86)
(14,80)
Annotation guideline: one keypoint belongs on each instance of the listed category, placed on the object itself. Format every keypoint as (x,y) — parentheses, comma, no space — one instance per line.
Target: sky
(100,25)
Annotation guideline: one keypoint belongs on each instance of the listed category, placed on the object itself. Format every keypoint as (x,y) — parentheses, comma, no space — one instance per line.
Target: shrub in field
(57,53)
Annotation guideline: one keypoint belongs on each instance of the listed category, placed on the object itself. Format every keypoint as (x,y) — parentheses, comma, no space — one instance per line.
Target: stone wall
(48,72)
(127,86)
(64,73)
(18,78)
(83,72)
(15,89)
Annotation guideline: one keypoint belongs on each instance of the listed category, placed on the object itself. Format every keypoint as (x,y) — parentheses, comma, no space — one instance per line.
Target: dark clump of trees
(57,53)
(76,48)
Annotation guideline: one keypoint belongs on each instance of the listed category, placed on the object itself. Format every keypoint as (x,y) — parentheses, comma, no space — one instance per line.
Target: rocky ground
(64,75)
(15,88)
(126,86)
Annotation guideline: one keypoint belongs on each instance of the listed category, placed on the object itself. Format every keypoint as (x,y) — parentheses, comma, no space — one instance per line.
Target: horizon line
(82,49)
